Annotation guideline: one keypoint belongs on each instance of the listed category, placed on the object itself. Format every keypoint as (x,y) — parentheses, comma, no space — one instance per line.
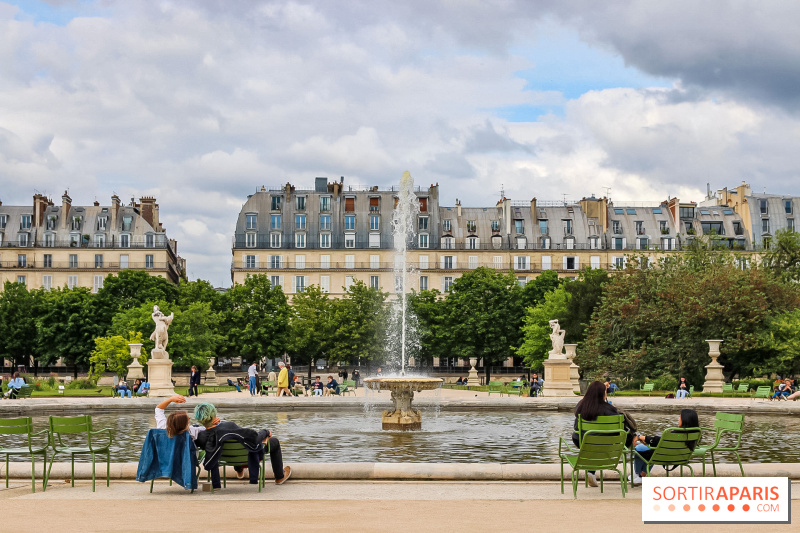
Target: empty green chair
(673,449)
(727,388)
(347,387)
(743,388)
(723,423)
(600,450)
(235,454)
(765,391)
(495,387)
(648,388)
(24,426)
(73,435)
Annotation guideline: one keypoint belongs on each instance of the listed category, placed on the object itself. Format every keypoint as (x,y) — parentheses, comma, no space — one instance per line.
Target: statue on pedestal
(161,336)
(557,338)
(160,366)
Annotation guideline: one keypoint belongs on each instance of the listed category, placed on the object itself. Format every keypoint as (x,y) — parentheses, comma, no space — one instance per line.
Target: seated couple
(213,433)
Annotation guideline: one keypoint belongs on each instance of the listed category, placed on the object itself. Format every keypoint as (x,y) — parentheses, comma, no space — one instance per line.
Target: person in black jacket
(218,432)
(194,381)
(594,404)
(644,444)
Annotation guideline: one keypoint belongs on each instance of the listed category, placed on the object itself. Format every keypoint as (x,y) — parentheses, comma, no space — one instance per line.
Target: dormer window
(324,203)
(99,240)
(127,222)
(423,223)
(301,203)
(101,223)
(251,221)
(446,225)
(76,223)
(51,222)
(22,240)
(124,241)
(471,226)
(567,226)
(639,227)
(49,240)
(149,240)
(495,225)
(25,222)
(615,227)
(519,226)
(3,221)
(275,203)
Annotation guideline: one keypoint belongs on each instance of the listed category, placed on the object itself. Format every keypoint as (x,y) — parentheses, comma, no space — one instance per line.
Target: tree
(194,336)
(190,292)
(359,325)
(429,308)
(114,354)
(784,341)
(483,317)
(66,327)
(536,329)
(583,296)
(535,290)
(310,326)
(139,319)
(129,289)
(17,323)
(256,320)
(782,259)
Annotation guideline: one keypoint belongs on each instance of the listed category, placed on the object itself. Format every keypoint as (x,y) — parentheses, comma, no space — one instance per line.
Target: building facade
(335,234)
(45,245)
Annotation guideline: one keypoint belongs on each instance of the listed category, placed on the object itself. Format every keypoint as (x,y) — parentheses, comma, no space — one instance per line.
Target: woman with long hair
(177,422)
(644,444)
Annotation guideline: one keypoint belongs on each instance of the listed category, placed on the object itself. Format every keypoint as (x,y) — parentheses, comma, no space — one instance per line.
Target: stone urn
(135,369)
(714,376)
(472,377)
(211,374)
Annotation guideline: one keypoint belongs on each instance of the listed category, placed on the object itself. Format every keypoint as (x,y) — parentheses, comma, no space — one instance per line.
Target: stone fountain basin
(409,383)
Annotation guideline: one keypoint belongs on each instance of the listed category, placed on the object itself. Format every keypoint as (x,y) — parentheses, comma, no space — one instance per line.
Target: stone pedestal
(211,374)
(403,416)
(159,372)
(135,368)
(557,380)
(714,377)
(472,378)
(574,374)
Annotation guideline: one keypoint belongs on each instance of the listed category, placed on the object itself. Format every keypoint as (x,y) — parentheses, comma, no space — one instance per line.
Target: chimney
(66,204)
(458,207)
(40,203)
(148,210)
(114,211)
(534,214)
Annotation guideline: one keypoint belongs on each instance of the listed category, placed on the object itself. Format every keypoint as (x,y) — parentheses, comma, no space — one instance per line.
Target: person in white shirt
(177,422)
(252,373)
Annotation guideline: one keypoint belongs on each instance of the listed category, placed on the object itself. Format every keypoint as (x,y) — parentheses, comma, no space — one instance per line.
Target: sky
(199,103)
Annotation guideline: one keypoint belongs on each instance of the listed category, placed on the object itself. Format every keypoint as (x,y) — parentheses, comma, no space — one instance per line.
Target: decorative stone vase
(714,376)
(211,374)
(135,368)
(472,378)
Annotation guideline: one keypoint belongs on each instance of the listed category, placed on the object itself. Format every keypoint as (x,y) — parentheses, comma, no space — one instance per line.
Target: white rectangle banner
(754,500)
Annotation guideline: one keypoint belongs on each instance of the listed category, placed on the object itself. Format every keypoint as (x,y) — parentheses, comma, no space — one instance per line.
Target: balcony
(84,265)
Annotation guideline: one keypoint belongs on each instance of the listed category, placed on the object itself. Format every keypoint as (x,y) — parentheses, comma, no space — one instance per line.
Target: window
(325,222)
(447,262)
(521,243)
(300,283)
(349,204)
(325,283)
(764,225)
(250,240)
(473,262)
(49,240)
(275,222)
(545,243)
(25,222)
(127,221)
(471,226)
(656,210)
(522,262)
(619,211)
(447,282)
(299,240)
(47,261)
(72,281)
(299,261)
(350,222)
(101,223)
(667,243)
(276,203)
(643,243)
(149,240)
(301,203)
(689,227)
(473,243)
(423,262)
(422,223)
(522,280)
(764,207)
(630,211)
(594,243)
(686,212)
(423,240)
(448,243)
(148,261)
(99,240)
(790,224)
(349,240)
(423,283)
(742,263)
(374,282)
(324,261)
(619,263)
(374,204)
(543,227)
(615,227)
(348,282)
(374,222)
(98,283)
(275,281)
(423,205)
(569,243)
(446,226)
(3,221)
(787,205)
(567,226)
(250,221)
(350,261)
(76,223)
(124,241)
(639,227)
(662,226)
(713,228)
(704,212)
(274,240)
(299,222)
(22,240)
(766,243)
(374,240)
(324,203)
(519,226)
(495,225)
(73,260)
(737,228)
(275,261)
(22,260)
(123,261)
(324,240)
(249,261)
(618,243)
(22,279)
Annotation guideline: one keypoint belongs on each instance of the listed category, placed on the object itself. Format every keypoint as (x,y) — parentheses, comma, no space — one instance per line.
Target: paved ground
(338,506)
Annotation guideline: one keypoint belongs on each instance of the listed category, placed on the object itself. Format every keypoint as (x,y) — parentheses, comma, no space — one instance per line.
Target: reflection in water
(486,437)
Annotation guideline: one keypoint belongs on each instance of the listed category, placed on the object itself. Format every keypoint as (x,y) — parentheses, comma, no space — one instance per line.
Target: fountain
(403,416)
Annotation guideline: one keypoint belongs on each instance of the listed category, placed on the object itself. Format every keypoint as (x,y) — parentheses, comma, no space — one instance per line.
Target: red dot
(671,507)
(701,507)
(716,507)
(687,507)
(745,507)
(731,507)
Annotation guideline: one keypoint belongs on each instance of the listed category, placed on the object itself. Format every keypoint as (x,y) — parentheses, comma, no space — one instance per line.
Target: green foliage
(583,296)
(129,289)
(784,340)
(139,320)
(429,308)
(200,291)
(194,336)
(310,326)
(17,323)
(114,354)
(360,321)
(83,383)
(256,319)
(782,259)
(535,290)
(536,329)
(65,326)
(665,382)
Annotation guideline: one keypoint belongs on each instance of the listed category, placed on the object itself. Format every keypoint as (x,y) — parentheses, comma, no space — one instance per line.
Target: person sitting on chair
(783,391)
(144,388)
(177,422)
(232,384)
(317,387)
(122,389)
(14,386)
(644,444)
(536,385)
(217,432)
(332,387)
(683,389)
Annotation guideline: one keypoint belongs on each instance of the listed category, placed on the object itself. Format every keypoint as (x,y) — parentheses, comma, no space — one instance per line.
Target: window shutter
(455,262)
(441,259)
(256,261)
(423,205)
(373,202)
(595,259)
(624,242)
(349,204)
(577,263)
(546,265)
(564,262)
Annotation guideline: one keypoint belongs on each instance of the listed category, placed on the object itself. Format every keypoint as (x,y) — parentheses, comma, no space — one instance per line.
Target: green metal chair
(765,391)
(268,387)
(495,387)
(723,423)
(26,391)
(513,387)
(727,388)
(673,449)
(24,426)
(235,454)
(604,423)
(743,388)
(600,450)
(345,387)
(691,390)
(648,388)
(72,426)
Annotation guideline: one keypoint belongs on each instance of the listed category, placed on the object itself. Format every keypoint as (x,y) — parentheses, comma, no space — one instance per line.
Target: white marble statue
(160,335)
(557,338)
